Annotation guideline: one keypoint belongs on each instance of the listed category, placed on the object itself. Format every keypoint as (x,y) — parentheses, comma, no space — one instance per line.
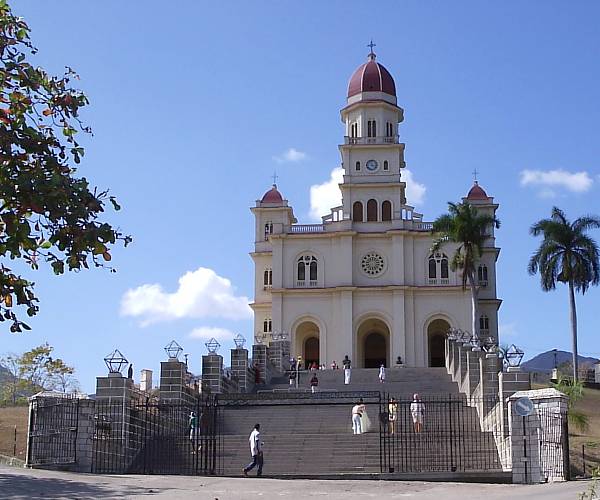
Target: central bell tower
(372,155)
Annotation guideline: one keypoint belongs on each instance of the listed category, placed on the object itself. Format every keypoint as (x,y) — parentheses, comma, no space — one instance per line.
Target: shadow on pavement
(18,486)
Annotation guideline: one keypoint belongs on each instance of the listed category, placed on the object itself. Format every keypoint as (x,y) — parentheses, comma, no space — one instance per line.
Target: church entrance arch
(306,344)
(436,336)
(373,339)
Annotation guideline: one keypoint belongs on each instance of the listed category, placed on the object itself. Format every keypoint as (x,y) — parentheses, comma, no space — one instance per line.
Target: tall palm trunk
(574,330)
(474,304)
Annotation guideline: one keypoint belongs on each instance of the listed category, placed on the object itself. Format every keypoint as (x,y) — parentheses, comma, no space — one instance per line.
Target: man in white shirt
(255,451)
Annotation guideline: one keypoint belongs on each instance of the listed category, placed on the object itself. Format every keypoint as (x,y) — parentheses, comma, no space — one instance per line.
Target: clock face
(372,165)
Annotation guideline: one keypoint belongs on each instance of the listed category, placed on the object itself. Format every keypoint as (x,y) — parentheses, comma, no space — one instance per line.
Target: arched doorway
(311,351)
(436,336)
(373,344)
(375,350)
(306,342)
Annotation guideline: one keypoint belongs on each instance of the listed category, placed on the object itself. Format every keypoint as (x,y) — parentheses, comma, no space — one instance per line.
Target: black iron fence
(156,438)
(436,434)
(52,436)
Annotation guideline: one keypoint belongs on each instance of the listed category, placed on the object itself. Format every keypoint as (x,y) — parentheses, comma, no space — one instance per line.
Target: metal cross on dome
(475,172)
(275,177)
(371,45)
(212,346)
(173,350)
(116,362)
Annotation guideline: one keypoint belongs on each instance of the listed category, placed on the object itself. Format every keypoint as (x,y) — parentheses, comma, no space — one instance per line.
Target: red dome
(371,77)
(272,196)
(477,193)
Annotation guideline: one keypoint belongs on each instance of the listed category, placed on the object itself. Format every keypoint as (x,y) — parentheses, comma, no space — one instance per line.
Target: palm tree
(469,229)
(567,254)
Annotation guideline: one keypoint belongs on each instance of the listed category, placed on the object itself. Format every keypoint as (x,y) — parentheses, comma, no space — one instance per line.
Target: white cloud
(201,294)
(549,180)
(507,330)
(208,332)
(291,155)
(323,197)
(415,192)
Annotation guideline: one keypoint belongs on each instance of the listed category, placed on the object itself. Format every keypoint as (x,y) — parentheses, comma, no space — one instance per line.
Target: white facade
(361,283)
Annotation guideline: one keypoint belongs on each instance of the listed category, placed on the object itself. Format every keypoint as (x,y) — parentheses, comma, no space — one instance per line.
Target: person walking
(417,411)
(357,413)
(194,429)
(256,452)
(382,373)
(347,369)
(314,383)
(292,377)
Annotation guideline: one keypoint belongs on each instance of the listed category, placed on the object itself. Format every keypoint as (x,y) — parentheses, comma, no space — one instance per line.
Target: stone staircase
(313,437)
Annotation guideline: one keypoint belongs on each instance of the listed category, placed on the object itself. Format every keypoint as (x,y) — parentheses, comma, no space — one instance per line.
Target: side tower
(488,302)
(272,215)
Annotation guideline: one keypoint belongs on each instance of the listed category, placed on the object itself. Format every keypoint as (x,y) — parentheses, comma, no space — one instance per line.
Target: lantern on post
(116,362)
(212,346)
(173,350)
(239,341)
(514,356)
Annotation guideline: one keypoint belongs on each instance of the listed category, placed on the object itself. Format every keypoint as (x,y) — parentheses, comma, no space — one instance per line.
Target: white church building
(364,282)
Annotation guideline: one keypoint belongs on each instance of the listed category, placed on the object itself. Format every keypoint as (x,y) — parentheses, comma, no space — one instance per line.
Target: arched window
(432,268)
(484,323)
(386,210)
(444,268)
(354,129)
(313,270)
(371,128)
(371,210)
(438,271)
(389,129)
(386,165)
(357,166)
(267,325)
(268,278)
(301,270)
(357,211)
(307,267)
(268,229)
(482,275)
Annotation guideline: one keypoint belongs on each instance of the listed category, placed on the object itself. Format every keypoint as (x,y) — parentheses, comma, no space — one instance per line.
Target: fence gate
(553,437)
(53,431)
(155,438)
(440,434)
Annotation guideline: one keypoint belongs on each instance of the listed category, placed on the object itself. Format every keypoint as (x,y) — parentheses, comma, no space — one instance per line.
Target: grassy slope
(9,417)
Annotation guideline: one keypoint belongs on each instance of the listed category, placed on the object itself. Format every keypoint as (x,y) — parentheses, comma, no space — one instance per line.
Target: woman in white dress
(382,373)
(364,424)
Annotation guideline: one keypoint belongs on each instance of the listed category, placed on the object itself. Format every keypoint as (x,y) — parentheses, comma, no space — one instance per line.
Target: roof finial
(475,172)
(372,55)
(275,177)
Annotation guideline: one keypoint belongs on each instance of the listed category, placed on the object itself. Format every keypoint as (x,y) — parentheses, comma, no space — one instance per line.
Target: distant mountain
(545,362)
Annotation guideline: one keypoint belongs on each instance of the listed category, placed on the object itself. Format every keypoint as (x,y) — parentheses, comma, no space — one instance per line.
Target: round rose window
(372,264)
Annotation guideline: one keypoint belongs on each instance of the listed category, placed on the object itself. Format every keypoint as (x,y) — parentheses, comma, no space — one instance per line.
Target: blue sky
(194,105)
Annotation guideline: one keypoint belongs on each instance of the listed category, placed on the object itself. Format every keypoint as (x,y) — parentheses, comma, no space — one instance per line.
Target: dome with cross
(371,77)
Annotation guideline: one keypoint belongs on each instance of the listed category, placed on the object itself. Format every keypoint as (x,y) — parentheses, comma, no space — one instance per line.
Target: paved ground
(35,484)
